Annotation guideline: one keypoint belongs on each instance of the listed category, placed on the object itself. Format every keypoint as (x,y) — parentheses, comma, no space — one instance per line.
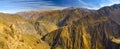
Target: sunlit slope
(18,33)
(21,24)
(11,38)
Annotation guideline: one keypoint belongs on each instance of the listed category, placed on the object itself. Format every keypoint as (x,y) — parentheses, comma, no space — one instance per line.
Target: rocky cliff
(99,30)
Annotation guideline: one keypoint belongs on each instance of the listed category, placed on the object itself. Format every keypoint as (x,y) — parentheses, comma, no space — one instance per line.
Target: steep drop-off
(95,31)
(54,19)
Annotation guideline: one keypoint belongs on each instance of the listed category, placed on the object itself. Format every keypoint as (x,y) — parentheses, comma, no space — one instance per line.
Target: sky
(13,6)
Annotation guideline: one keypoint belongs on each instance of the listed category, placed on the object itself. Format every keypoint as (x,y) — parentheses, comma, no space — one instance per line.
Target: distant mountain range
(70,28)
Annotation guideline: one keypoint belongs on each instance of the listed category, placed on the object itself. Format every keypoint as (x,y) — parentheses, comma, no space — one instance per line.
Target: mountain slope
(57,18)
(112,11)
(11,38)
(21,24)
(71,28)
(95,31)
(18,33)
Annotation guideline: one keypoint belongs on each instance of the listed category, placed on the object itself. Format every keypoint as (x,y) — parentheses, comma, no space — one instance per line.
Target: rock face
(71,28)
(99,34)
(99,30)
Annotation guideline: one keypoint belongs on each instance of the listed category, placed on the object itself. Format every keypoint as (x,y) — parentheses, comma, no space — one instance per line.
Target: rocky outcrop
(11,38)
(18,33)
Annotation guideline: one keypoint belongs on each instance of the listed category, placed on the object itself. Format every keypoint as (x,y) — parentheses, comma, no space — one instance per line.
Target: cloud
(88,5)
(52,7)
(109,2)
(41,5)
(23,5)
(100,3)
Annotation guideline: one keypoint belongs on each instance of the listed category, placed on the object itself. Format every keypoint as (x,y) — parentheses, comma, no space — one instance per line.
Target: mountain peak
(71,8)
(116,6)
